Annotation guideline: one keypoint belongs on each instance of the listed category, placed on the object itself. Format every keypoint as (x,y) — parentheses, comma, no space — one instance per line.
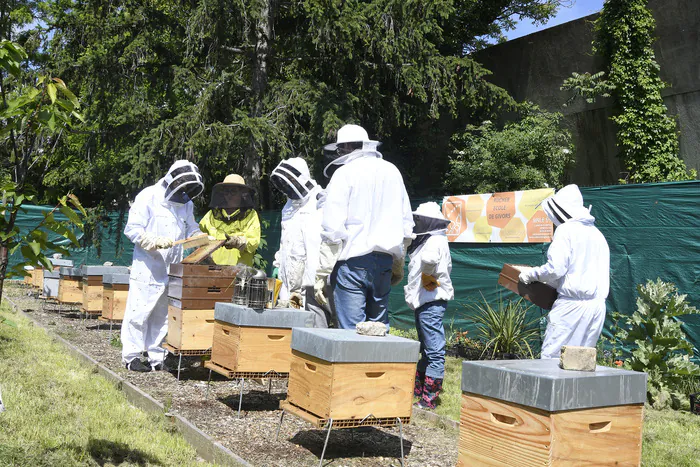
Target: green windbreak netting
(653,231)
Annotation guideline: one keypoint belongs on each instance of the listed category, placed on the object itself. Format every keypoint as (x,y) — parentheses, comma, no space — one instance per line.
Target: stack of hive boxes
(193,291)
(92,286)
(115,289)
(52,278)
(70,285)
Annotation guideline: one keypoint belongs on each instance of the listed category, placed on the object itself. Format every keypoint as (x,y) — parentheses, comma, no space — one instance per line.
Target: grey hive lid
(102,270)
(115,278)
(72,272)
(543,385)
(285,318)
(346,345)
(52,274)
(62,262)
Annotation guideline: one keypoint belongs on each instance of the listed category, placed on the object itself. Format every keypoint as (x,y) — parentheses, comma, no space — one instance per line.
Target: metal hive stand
(241,376)
(187,353)
(330,423)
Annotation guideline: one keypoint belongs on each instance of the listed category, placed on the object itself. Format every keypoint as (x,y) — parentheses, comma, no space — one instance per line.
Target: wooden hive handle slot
(275,337)
(600,427)
(374,374)
(310,367)
(504,419)
(213,290)
(174,318)
(226,331)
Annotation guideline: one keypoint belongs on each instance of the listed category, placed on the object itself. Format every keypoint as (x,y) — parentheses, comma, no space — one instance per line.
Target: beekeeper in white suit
(160,215)
(297,258)
(578,265)
(367,226)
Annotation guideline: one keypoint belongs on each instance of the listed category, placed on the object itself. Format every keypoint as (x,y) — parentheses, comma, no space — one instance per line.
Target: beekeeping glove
(397,271)
(429,282)
(328,255)
(163,243)
(296,301)
(235,242)
(527,277)
(147,241)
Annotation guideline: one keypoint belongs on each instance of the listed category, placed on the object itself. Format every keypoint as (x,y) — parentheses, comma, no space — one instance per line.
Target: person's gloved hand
(235,242)
(275,273)
(319,294)
(147,241)
(429,282)
(527,277)
(296,300)
(163,243)
(397,271)
(282,303)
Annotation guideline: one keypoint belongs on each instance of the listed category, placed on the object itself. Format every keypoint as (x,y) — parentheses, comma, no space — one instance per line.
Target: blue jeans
(431,334)
(361,287)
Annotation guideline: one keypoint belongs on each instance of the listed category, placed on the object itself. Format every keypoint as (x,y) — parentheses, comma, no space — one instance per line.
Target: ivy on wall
(646,135)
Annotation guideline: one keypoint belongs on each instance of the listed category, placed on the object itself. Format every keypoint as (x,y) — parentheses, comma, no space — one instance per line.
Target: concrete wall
(534,67)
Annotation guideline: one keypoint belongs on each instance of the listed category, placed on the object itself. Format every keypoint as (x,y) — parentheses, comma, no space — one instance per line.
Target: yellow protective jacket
(248,227)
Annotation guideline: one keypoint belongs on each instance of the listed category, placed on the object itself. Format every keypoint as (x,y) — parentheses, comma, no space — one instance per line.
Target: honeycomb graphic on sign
(531,199)
(453,209)
(482,230)
(500,209)
(539,228)
(514,232)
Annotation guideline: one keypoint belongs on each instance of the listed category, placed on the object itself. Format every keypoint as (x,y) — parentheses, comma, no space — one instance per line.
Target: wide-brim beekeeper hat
(565,204)
(232,194)
(428,218)
(349,134)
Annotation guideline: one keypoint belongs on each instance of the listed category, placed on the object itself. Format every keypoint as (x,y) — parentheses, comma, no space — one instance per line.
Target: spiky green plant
(505,328)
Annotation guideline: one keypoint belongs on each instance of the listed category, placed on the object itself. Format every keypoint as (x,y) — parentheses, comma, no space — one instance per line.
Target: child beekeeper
(578,265)
(428,290)
(233,218)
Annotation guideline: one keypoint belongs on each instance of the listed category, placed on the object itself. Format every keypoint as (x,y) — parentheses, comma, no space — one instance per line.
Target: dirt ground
(253,435)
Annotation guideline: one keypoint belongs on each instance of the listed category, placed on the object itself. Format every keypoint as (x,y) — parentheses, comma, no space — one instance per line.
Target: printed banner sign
(510,217)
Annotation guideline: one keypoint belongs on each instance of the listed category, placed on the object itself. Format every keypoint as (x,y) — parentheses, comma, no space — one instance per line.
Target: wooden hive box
(115,290)
(537,293)
(532,413)
(193,291)
(92,286)
(70,285)
(38,277)
(255,341)
(339,374)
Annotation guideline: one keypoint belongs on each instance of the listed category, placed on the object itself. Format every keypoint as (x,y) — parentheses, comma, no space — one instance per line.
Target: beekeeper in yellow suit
(233,218)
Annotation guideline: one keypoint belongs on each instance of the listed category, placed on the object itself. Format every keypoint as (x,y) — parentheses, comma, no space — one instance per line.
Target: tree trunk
(254,153)
(3,267)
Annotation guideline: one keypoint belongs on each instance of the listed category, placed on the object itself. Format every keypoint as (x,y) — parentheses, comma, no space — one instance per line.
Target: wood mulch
(253,435)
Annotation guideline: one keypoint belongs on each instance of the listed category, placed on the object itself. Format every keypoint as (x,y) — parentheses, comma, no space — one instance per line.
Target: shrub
(532,152)
(504,330)
(660,347)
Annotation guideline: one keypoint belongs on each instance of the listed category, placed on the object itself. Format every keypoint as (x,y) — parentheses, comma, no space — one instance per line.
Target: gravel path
(253,435)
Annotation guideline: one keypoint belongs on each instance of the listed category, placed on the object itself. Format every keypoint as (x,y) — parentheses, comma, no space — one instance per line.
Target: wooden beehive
(92,286)
(339,374)
(537,293)
(70,285)
(193,291)
(38,277)
(562,417)
(255,341)
(115,291)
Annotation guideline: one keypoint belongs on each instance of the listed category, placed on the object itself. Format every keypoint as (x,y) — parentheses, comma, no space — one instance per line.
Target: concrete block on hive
(268,317)
(577,358)
(371,328)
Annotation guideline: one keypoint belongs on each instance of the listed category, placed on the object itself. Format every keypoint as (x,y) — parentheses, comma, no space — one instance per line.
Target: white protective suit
(297,258)
(367,208)
(146,316)
(430,256)
(578,265)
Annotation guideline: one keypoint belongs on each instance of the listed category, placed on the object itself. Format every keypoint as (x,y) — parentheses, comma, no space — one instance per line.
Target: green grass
(451,396)
(671,438)
(61,414)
